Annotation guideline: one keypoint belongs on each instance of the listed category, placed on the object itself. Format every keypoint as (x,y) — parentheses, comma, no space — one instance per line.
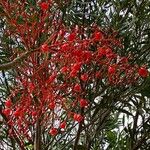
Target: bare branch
(16,61)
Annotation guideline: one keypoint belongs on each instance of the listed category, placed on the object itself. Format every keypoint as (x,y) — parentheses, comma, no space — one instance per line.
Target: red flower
(77,88)
(17,113)
(72,37)
(98,36)
(63,125)
(84,77)
(101,51)
(64,69)
(6,112)
(44,48)
(34,113)
(97,74)
(53,131)
(83,103)
(52,105)
(44,6)
(73,73)
(8,103)
(78,117)
(143,72)
(65,47)
(76,67)
(111,69)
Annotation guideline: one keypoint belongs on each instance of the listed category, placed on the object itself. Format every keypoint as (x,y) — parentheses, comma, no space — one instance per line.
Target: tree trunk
(37,140)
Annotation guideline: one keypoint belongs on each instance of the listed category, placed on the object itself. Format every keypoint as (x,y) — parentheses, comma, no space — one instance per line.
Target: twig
(16,61)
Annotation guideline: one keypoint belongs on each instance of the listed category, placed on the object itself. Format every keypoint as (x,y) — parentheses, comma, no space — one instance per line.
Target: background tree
(118,116)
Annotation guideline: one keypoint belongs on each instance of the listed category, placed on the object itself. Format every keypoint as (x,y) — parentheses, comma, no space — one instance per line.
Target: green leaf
(146,89)
(20,20)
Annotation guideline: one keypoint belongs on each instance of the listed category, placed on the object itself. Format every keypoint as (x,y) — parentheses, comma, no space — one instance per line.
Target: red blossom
(44,6)
(72,37)
(77,88)
(63,125)
(73,73)
(52,105)
(83,103)
(8,103)
(98,36)
(65,47)
(143,72)
(64,69)
(53,131)
(17,113)
(78,117)
(111,69)
(101,51)
(84,77)
(76,67)
(97,74)
(34,113)
(44,48)
(6,112)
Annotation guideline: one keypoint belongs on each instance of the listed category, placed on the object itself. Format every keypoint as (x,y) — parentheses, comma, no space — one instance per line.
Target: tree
(50,101)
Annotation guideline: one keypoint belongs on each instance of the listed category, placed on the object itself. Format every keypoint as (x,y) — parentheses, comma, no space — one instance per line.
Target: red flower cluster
(54,131)
(73,68)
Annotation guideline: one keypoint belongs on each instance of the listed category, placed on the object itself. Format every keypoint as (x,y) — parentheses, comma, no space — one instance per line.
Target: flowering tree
(70,81)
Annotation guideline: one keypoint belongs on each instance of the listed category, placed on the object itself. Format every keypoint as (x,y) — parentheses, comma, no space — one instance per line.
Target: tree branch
(15,62)
(37,140)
